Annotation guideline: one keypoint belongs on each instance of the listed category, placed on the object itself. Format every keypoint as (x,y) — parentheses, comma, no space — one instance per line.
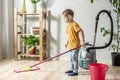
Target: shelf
(20,29)
(18,32)
(28,55)
(20,13)
(28,35)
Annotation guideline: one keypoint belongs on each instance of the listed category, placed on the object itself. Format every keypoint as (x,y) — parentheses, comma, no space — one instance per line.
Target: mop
(26,69)
(34,68)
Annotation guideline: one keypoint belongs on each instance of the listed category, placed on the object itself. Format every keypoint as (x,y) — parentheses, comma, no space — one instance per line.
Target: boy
(75,38)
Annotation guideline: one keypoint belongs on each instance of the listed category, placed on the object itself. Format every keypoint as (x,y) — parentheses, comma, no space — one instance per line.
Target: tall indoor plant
(116,37)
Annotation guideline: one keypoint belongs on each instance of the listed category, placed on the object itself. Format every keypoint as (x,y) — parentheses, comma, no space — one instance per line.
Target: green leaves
(92,1)
(30,41)
(105,31)
(34,1)
(113,46)
(116,5)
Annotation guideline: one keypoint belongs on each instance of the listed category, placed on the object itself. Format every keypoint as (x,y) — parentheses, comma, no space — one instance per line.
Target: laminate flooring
(52,70)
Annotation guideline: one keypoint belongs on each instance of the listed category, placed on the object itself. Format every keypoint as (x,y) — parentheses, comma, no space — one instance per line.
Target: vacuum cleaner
(88,52)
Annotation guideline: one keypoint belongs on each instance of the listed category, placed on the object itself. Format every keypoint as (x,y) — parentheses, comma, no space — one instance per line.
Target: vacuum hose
(96,25)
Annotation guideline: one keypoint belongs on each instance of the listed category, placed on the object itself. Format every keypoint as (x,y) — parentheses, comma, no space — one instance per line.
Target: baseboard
(8,57)
(106,61)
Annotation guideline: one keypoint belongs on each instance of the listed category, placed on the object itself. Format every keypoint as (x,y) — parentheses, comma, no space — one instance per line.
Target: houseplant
(116,36)
(31,42)
(34,2)
(43,4)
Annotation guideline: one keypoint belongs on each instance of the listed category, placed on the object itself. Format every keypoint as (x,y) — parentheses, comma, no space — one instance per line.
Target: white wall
(85,14)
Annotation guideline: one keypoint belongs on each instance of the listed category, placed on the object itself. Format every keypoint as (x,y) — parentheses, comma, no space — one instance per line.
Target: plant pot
(115,59)
(31,8)
(32,51)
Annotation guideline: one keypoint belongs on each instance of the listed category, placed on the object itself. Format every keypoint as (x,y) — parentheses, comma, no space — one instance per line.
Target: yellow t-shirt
(73,37)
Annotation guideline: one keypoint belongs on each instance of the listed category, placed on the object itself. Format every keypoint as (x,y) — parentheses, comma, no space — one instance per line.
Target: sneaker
(72,74)
(69,71)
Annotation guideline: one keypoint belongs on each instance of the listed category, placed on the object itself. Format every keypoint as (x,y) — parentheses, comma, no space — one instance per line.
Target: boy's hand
(66,45)
(83,44)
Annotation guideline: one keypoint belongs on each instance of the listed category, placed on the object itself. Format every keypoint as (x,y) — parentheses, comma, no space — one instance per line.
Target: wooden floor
(52,70)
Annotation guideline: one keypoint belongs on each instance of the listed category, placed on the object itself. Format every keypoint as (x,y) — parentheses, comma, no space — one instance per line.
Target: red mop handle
(54,57)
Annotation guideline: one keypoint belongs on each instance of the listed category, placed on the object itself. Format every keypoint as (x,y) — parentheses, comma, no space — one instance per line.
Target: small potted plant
(116,36)
(31,42)
(34,2)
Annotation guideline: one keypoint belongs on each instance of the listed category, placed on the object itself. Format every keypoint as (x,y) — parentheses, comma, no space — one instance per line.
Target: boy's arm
(82,37)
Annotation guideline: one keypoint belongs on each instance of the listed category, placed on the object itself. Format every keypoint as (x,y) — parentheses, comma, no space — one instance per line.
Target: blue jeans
(74,60)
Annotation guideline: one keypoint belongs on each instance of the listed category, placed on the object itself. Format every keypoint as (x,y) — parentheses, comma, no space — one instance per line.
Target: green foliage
(34,1)
(30,41)
(116,36)
(92,1)
(116,5)
(43,2)
(106,32)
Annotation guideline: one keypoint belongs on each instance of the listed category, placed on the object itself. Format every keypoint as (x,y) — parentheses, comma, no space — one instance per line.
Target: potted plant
(116,36)
(31,42)
(34,5)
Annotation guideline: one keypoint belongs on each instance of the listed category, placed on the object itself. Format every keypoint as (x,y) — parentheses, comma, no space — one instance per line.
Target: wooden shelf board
(20,13)
(28,55)
(29,35)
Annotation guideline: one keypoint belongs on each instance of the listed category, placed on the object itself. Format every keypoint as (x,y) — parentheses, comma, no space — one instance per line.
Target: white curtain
(6,28)
(1,29)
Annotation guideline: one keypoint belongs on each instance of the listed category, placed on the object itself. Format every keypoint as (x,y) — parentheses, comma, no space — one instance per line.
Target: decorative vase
(34,8)
(24,7)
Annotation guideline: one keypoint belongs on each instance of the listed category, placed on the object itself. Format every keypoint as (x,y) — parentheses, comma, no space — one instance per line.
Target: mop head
(26,69)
